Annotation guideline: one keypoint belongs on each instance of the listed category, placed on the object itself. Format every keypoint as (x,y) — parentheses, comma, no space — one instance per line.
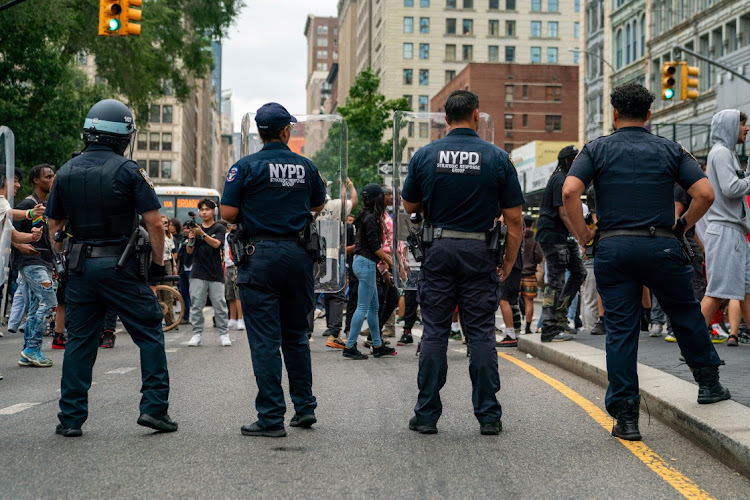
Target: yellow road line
(679,482)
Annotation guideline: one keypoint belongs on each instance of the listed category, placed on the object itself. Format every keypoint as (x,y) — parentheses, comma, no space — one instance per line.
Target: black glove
(156,271)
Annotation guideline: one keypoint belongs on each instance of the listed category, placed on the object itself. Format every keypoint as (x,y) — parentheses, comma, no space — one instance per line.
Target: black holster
(239,243)
(427,232)
(496,242)
(312,242)
(77,258)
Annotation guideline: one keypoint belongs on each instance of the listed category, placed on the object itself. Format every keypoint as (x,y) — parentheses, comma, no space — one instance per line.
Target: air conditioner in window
(549,128)
(509,135)
(598,118)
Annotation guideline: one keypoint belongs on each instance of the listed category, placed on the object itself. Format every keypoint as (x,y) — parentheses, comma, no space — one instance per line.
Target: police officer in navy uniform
(272,193)
(458,182)
(99,193)
(634,173)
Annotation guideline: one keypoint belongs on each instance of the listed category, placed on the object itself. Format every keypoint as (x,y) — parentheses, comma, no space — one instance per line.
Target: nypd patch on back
(459,162)
(286,175)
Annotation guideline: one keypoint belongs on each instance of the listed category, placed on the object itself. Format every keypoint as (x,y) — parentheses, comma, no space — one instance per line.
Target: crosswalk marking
(11,410)
(121,371)
(171,350)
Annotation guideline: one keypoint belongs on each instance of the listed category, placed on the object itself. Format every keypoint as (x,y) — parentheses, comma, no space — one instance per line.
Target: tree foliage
(44,95)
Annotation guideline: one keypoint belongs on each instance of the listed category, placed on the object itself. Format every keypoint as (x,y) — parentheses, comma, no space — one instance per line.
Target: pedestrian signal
(109,17)
(688,81)
(668,70)
(130,12)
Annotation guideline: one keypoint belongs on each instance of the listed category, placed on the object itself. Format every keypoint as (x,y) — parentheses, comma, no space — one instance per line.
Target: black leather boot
(710,389)
(627,412)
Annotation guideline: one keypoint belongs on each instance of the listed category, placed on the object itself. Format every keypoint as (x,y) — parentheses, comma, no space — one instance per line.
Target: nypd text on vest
(459,162)
(286,175)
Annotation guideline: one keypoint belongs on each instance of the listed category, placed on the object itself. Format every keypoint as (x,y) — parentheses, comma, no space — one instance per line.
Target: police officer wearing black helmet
(271,193)
(99,194)
(560,252)
(634,173)
(458,182)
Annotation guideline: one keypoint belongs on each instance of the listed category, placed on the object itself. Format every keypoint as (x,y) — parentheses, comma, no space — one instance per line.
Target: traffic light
(668,70)
(688,81)
(130,14)
(109,17)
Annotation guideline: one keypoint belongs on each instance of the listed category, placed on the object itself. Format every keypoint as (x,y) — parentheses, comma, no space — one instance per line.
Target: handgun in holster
(414,240)
(139,247)
(59,259)
(312,242)
(496,242)
(239,241)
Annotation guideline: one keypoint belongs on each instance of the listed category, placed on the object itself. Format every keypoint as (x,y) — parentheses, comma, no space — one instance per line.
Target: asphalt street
(551,447)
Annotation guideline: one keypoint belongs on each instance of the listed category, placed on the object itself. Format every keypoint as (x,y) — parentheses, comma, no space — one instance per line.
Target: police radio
(413,240)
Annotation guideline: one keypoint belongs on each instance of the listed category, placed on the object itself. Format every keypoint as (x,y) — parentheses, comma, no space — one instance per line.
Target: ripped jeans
(42,301)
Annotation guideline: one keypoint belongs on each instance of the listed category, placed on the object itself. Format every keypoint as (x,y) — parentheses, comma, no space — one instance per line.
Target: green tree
(44,95)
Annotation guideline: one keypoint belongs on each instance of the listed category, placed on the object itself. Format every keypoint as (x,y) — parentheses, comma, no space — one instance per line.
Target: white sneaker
(240,324)
(225,340)
(232,324)
(656,329)
(195,341)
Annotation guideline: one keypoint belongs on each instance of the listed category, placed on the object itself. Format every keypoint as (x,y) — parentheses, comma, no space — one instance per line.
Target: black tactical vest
(97,210)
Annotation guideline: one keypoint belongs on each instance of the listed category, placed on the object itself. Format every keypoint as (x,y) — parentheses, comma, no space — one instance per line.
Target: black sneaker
(405,339)
(68,433)
(491,428)
(422,427)
(599,328)
(255,430)
(161,423)
(383,350)
(353,353)
(304,421)
(527,331)
(507,342)
(560,337)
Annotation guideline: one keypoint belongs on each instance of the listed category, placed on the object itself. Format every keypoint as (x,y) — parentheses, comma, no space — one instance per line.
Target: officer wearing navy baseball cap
(272,193)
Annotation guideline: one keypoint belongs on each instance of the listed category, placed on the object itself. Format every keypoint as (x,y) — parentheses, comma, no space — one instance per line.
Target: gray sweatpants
(199,290)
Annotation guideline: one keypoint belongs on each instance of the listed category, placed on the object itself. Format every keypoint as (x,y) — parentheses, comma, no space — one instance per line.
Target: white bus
(177,201)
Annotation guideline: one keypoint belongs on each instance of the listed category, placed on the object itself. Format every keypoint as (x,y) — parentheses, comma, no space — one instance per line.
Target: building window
(577,5)
(635,40)
(468,4)
(142,142)
(168,87)
(408,76)
(553,123)
(408,50)
(628,43)
(424,50)
(424,24)
(618,49)
(508,147)
(424,77)
(450,4)
(467,27)
(166,169)
(510,90)
(552,55)
(322,30)
(467,52)
(450,26)
(424,4)
(536,29)
(424,130)
(409,101)
(552,6)
(525,91)
(166,142)
(525,120)
(576,57)
(166,113)
(450,74)
(643,35)
(510,28)
(493,53)
(153,168)
(536,5)
(450,52)
(494,28)
(410,129)
(322,67)
(408,3)
(153,141)
(509,122)
(494,4)
(322,42)
(424,103)
(576,29)
(408,25)
(82,58)
(322,54)
(510,53)
(335,55)
(155,114)
(552,31)
(553,93)
(510,4)
(536,54)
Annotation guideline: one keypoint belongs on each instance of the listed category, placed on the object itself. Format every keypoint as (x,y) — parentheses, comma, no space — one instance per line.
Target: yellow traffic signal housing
(130,12)
(668,70)
(109,17)
(688,81)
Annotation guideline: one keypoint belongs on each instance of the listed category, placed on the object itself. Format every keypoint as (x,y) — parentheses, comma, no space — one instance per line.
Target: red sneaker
(59,341)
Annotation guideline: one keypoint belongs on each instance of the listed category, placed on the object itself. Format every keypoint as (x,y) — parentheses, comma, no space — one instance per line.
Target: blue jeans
(20,305)
(367,302)
(42,300)
(184,287)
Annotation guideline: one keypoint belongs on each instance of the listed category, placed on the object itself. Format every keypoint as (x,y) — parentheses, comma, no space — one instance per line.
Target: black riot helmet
(109,122)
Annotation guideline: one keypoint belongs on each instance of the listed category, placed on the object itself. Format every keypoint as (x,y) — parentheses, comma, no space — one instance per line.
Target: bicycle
(167,299)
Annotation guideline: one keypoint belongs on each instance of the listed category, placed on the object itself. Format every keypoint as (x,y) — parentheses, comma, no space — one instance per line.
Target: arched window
(628,43)
(635,40)
(643,35)
(618,49)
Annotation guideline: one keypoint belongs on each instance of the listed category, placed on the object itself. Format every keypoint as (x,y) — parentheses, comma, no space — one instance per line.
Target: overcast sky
(265,55)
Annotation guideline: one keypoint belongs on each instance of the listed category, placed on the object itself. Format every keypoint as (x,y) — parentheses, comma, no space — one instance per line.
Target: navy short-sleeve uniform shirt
(274,190)
(131,179)
(634,173)
(461,180)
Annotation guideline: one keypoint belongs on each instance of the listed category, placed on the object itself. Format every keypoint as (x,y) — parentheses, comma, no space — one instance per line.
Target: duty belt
(275,237)
(643,232)
(459,235)
(106,251)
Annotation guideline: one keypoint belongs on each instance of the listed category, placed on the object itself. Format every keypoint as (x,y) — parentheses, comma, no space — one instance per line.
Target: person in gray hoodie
(727,248)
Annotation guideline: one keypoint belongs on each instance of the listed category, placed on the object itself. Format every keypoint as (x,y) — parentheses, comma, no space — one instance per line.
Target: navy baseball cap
(273,116)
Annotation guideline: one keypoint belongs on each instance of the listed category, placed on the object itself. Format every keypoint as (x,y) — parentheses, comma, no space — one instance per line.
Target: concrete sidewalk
(722,428)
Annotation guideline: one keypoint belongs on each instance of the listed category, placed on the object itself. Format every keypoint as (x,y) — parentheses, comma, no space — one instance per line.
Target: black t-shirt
(550,228)
(683,197)
(24,226)
(350,241)
(207,261)
(368,236)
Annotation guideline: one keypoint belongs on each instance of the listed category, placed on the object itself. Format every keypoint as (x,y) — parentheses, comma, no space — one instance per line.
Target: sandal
(732,341)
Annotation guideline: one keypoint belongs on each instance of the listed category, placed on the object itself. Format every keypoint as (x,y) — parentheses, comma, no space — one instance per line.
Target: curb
(722,428)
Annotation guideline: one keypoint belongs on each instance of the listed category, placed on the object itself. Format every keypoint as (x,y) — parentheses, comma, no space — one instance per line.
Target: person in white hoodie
(727,247)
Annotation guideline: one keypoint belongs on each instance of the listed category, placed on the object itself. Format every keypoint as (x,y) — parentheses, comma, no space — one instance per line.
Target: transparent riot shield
(8,164)
(322,139)
(411,131)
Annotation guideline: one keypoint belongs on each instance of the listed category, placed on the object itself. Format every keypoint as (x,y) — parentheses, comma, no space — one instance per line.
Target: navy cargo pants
(463,273)
(276,291)
(623,266)
(101,288)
